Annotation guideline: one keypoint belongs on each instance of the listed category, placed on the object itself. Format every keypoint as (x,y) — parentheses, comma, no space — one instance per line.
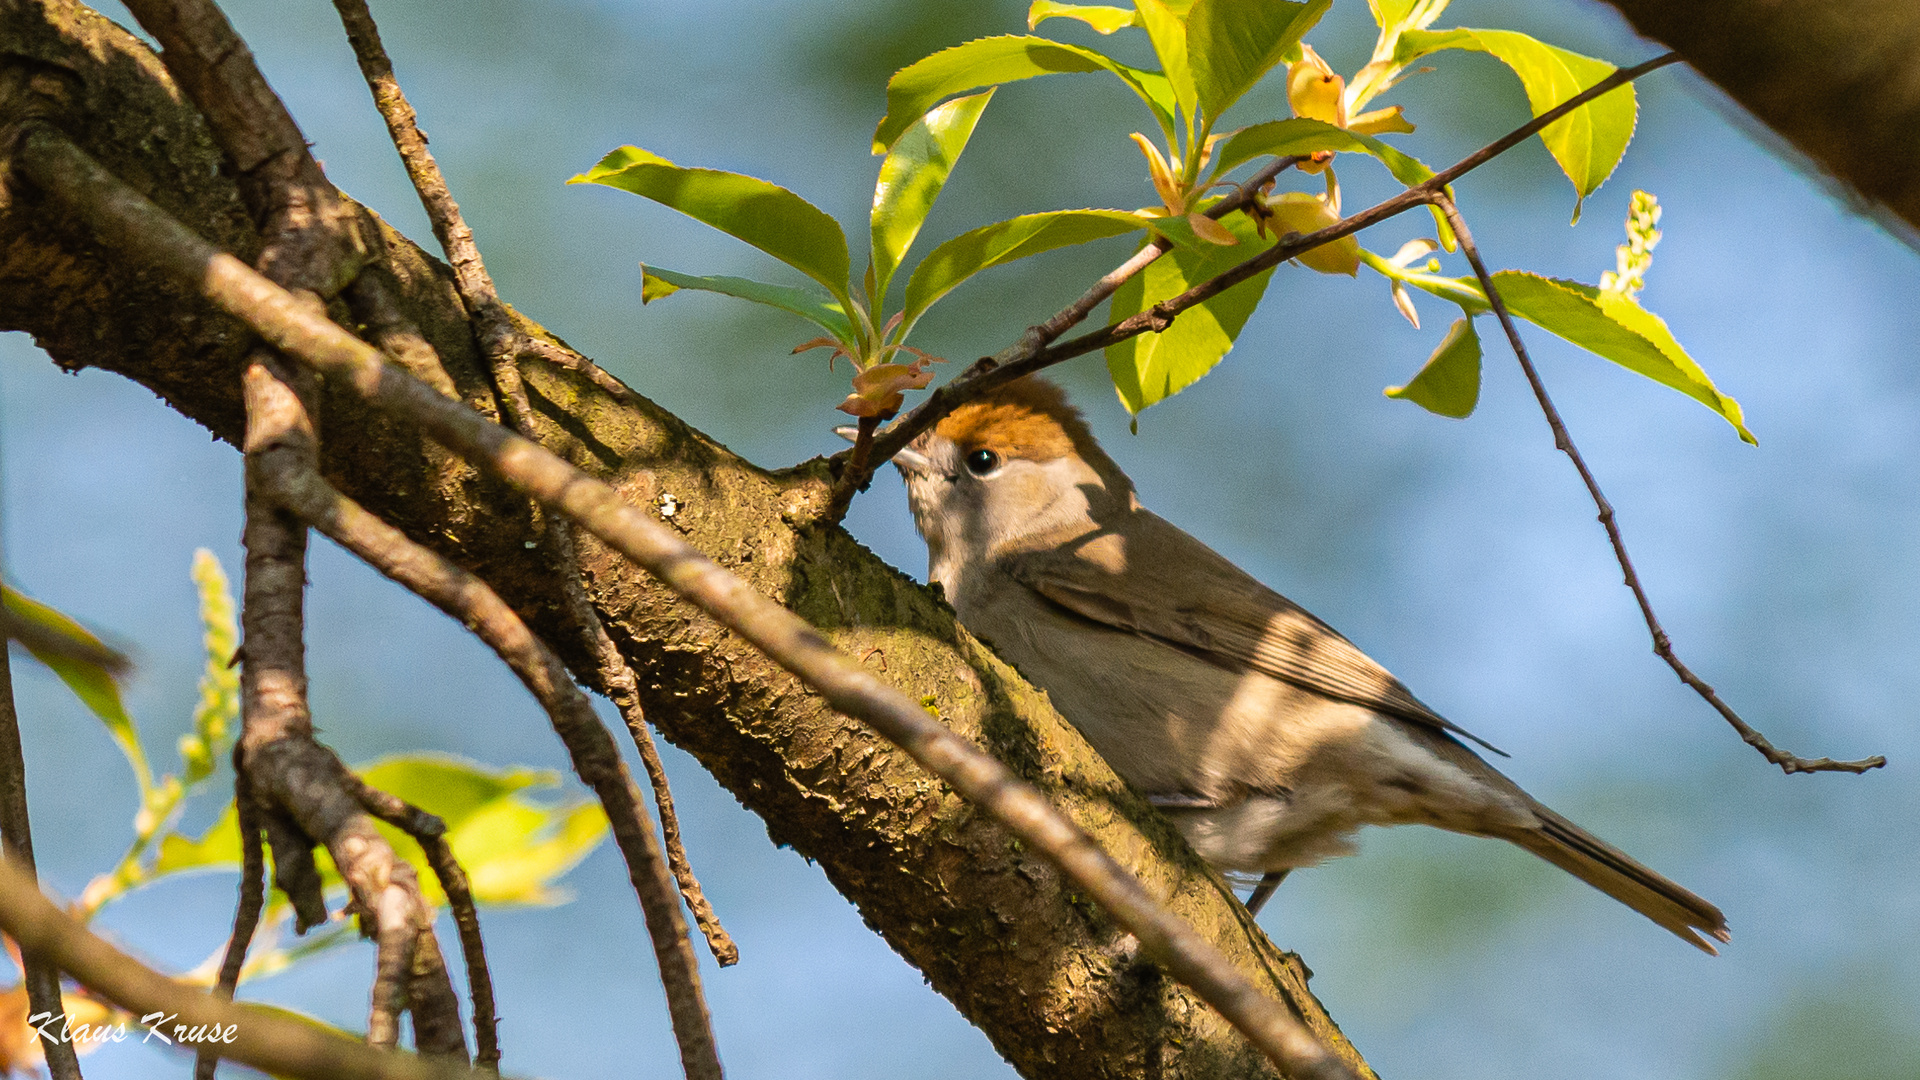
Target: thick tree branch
(1838,80)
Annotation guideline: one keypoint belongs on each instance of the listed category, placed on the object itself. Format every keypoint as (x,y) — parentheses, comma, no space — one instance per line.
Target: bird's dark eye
(982,462)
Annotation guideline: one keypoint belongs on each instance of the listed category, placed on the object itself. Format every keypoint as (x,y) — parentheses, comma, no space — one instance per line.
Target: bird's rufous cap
(1028,418)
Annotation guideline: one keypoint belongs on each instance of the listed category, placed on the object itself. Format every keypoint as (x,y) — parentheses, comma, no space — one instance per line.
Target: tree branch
(1662,645)
(246,914)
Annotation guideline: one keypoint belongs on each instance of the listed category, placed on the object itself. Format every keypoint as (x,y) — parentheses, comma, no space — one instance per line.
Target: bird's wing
(1204,605)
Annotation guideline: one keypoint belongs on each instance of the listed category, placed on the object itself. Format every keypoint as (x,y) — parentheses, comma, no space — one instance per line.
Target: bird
(1268,737)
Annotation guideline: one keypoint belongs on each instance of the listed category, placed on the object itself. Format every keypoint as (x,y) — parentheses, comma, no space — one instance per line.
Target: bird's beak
(908,460)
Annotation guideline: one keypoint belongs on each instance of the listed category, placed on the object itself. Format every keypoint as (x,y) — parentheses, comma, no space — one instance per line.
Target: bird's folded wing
(1211,608)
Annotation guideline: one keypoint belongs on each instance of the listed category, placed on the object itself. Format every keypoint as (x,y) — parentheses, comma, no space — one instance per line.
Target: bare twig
(263,1039)
(133,226)
(246,914)
(431,834)
(1662,645)
(40,974)
(1031,353)
(475,605)
(503,343)
(854,474)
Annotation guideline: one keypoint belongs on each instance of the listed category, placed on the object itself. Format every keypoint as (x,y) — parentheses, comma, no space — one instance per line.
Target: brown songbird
(1268,737)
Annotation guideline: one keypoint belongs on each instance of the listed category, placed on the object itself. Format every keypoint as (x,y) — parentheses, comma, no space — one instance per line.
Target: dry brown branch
(262,1039)
(246,914)
(1563,441)
(503,344)
(41,976)
(1032,352)
(137,229)
(596,760)
(430,832)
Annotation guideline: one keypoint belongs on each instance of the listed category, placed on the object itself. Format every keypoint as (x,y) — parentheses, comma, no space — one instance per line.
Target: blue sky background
(1463,555)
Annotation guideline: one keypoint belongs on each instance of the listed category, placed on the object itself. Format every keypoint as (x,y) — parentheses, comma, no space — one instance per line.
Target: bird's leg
(1257,899)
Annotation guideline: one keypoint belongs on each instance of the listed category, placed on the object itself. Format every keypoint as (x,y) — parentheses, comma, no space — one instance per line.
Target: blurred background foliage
(1461,554)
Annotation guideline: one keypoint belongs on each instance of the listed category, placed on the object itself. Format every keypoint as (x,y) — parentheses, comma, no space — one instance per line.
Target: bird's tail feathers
(1612,871)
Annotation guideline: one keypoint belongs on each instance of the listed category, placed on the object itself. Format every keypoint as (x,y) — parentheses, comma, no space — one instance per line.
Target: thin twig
(855,473)
(263,1039)
(1031,354)
(246,914)
(41,976)
(1662,644)
(503,343)
(430,832)
(131,225)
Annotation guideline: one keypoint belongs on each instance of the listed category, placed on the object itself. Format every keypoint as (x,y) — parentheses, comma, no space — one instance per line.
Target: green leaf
(1587,142)
(910,180)
(1232,44)
(1303,136)
(769,217)
(1166,25)
(921,85)
(217,848)
(1617,328)
(83,662)
(1148,368)
(816,307)
(1005,241)
(1449,382)
(1396,16)
(1104,19)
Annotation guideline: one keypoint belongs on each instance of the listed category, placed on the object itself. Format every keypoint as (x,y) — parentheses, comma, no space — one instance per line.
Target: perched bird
(1267,736)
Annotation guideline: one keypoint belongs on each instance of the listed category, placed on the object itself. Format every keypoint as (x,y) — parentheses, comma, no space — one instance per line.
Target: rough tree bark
(1035,966)
(1838,79)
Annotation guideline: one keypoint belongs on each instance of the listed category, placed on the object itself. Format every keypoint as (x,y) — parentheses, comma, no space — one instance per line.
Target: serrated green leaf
(911,178)
(1106,20)
(91,680)
(1149,368)
(815,307)
(1587,142)
(1449,382)
(1395,16)
(768,216)
(1617,328)
(1006,241)
(918,87)
(1231,44)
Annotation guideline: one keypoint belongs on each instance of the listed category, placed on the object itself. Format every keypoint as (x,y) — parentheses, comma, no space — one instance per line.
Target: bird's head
(1010,471)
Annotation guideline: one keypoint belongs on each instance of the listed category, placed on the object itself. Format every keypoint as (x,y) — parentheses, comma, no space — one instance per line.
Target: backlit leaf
(1231,44)
(1148,368)
(1017,238)
(816,307)
(1104,19)
(1166,25)
(85,664)
(1587,142)
(1449,382)
(918,87)
(765,215)
(910,180)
